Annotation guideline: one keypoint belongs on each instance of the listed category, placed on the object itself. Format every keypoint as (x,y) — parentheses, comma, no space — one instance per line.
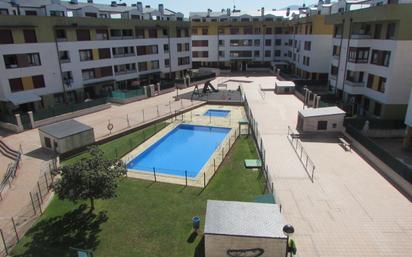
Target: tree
(90,178)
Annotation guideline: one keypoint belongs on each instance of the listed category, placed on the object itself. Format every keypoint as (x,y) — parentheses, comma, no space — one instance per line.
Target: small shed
(244,229)
(66,136)
(284,87)
(326,119)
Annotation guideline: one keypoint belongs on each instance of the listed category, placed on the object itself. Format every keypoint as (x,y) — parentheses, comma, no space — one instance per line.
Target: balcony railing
(354,83)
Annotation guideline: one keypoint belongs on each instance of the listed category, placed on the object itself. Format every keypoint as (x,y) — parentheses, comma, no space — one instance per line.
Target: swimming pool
(185,148)
(216,113)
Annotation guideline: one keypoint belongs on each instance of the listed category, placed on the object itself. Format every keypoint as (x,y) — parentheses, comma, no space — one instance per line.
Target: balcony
(360,36)
(354,83)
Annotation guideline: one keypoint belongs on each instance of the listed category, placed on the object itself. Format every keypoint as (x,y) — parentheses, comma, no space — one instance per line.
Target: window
(336,50)
(10,61)
(146,50)
(380,58)
(256,42)
(102,34)
(64,56)
(268,42)
(57,13)
(378,109)
(4,12)
(83,34)
(127,33)
(268,53)
(200,54)
(307,45)
(6,37)
(115,33)
(16,85)
(278,30)
(234,31)
(306,60)
(30,13)
(322,125)
(390,32)
(104,53)
(194,31)
(152,33)
(139,33)
(257,31)
(277,53)
(123,51)
(376,83)
(200,43)
(183,61)
(91,14)
(167,63)
(88,74)
(166,48)
(377,32)
(278,42)
(47,142)
(86,55)
(268,31)
(142,66)
(205,31)
(333,70)
(61,35)
(358,55)
(29,36)
(248,30)
(366,104)
(354,76)
(154,65)
(124,68)
(67,78)
(38,81)
(256,53)
(221,53)
(221,42)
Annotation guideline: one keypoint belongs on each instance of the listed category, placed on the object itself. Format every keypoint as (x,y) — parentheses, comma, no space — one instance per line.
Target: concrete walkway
(349,210)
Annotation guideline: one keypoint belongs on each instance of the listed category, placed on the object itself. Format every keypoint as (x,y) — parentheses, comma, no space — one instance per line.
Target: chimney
(161,9)
(139,6)
(147,6)
(113,4)
(223,10)
(90,1)
(228,11)
(262,11)
(288,11)
(208,12)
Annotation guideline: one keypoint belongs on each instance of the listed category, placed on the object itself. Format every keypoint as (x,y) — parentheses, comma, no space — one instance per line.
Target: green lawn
(145,219)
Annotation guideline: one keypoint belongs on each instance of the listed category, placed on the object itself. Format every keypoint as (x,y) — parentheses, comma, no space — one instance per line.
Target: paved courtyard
(349,210)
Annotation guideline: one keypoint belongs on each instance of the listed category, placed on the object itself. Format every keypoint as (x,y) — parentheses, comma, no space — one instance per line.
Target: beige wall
(217,245)
(310,124)
(69,143)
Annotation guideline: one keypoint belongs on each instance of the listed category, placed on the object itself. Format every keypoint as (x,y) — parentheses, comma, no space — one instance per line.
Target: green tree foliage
(91,178)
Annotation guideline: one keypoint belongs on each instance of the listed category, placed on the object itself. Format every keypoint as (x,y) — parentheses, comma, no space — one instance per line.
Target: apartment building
(48,59)
(370,67)
(238,40)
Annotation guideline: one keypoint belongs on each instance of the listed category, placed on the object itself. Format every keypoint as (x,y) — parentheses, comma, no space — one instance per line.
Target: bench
(345,144)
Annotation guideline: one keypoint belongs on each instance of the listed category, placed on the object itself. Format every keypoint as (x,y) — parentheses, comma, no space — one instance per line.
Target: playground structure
(207,88)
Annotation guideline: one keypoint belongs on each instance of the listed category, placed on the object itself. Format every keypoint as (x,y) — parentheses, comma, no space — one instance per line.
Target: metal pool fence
(13,228)
(261,149)
(301,153)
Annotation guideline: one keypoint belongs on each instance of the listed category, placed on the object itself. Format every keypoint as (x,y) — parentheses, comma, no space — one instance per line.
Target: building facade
(48,61)
(241,40)
(370,65)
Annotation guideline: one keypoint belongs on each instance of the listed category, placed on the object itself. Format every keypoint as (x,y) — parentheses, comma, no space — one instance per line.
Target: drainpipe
(347,55)
(170,51)
(60,67)
(340,53)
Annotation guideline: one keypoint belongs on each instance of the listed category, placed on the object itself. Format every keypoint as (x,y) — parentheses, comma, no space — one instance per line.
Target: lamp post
(288,230)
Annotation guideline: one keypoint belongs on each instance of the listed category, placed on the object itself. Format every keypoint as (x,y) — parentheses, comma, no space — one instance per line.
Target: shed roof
(285,83)
(324,111)
(243,219)
(65,129)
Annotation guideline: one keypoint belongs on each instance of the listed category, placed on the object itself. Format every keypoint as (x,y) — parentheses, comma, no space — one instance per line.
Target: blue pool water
(216,113)
(185,148)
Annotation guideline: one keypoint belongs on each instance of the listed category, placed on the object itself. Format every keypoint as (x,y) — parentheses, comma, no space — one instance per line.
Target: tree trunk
(91,204)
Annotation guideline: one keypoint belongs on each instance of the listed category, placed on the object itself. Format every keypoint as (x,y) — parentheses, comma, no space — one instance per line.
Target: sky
(185,6)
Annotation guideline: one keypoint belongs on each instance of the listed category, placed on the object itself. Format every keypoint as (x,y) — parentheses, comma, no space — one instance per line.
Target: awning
(23,97)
